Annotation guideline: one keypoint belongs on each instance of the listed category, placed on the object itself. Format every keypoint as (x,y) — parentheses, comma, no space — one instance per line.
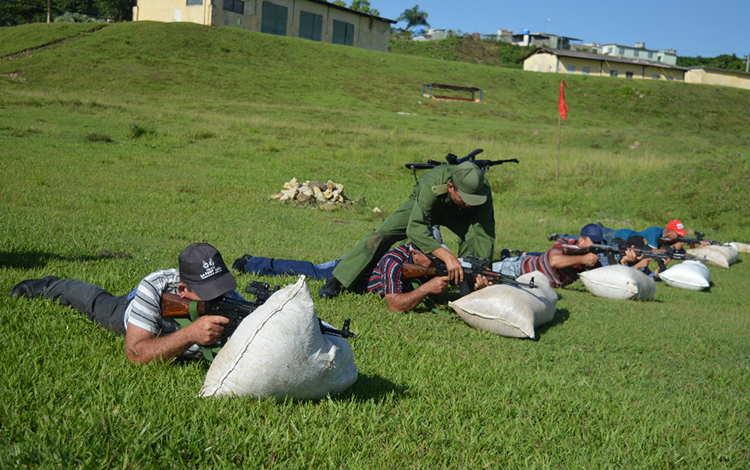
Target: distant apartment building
(639,51)
(527,38)
(430,35)
(316,20)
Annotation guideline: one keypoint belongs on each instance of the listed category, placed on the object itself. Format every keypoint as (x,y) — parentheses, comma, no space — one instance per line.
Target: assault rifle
(452,159)
(699,237)
(475,266)
(174,306)
(668,254)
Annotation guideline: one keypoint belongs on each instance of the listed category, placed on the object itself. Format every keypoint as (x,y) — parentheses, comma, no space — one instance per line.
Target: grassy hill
(222,74)
(141,138)
(465,49)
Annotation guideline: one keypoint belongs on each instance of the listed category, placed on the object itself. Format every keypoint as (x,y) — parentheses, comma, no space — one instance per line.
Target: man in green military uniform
(457,197)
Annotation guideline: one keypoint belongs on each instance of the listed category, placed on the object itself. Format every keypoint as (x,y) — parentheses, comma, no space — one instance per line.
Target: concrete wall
(369,33)
(168,11)
(718,77)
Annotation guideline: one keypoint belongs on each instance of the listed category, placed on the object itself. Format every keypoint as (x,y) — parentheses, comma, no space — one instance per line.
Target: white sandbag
(716,255)
(508,310)
(741,247)
(619,282)
(278,351)
(691,275)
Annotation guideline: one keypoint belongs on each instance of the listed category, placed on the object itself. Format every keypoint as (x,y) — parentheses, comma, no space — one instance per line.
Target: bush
(69,17)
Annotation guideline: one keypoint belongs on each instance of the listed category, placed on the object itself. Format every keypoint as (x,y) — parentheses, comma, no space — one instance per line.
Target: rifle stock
(172,305)
(412,271)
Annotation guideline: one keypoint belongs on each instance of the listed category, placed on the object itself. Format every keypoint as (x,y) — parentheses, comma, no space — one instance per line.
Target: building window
(571,69)
(343,33)
(274,19)
(650,55)
(628,74)
(586,70)
(191,3)
(635,53)
(236,6)
(670,78)
(613,73)
(621,51)
(656,77)
(609,50)
(310,26)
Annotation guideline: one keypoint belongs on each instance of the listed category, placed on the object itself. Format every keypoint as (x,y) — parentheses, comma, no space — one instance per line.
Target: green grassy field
(141,138)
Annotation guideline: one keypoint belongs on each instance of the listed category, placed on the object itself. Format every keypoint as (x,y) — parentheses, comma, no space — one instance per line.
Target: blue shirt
(651,234)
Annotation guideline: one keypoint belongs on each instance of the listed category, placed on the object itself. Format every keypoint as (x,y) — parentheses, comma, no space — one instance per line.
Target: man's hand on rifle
(208,329)
(480,282)
(631,256)
(142,346)
(590,259)
(452,264)
(436,285)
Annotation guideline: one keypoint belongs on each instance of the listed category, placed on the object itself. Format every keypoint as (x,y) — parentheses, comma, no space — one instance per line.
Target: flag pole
(563,111)
(559,132)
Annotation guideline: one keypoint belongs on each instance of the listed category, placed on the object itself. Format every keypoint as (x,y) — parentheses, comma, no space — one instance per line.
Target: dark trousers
(280,267)
(99,305)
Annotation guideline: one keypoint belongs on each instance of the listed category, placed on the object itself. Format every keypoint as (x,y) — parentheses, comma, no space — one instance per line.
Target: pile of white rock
(328,195)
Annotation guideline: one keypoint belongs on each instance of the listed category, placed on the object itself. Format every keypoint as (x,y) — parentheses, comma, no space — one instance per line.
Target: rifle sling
(208,353)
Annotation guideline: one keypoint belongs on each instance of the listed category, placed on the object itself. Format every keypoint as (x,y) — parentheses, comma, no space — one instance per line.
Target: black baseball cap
(202,266)
(636,241)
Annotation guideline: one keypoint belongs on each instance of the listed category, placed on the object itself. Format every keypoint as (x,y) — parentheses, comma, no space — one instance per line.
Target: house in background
(316,20)
(668,56)
(715,76)
(587,63)
(430,35)
(527,38)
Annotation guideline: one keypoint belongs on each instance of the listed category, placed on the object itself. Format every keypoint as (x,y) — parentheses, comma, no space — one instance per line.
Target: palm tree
(414,17)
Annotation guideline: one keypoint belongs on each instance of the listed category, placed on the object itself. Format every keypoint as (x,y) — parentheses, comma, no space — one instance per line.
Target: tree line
(15,12)
(724,61)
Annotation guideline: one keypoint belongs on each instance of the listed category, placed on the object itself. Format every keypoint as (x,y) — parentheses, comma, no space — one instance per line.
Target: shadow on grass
(561,316)
(40,259)
(373,387)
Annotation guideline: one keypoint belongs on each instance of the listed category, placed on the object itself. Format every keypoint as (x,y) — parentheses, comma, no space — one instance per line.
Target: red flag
(563,108)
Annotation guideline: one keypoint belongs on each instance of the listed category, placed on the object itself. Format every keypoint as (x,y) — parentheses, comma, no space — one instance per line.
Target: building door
(274,19)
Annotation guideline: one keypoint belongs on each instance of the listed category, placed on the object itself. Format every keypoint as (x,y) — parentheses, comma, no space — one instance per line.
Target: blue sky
(691,27)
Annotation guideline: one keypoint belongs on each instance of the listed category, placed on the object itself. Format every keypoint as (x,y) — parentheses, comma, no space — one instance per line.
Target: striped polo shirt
(557,277)
(387,277)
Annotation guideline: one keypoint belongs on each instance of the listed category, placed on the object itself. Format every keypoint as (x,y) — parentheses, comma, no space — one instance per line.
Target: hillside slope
(192,63)
(620,134)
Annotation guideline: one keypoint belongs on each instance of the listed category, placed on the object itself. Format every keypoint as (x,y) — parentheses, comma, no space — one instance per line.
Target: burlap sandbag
(741,247)
(279,351)
(691,275)
(619,282)
(508,310)
(722,256)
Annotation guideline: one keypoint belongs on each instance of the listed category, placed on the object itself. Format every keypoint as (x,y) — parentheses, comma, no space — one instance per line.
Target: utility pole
(48,11)
(747,64)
